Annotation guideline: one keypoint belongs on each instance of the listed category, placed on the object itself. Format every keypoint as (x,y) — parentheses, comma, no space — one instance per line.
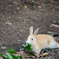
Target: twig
(55,25)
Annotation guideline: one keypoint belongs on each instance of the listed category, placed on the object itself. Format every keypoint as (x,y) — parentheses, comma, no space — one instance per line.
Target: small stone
(39,7)
(18,8)
(54,21)
(9,17)
(53,9)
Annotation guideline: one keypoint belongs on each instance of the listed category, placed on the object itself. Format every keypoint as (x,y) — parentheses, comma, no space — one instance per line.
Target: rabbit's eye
(31,39)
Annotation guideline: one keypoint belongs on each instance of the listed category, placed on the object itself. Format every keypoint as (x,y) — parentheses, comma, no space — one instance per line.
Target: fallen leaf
(51,26)
(31,19)
(3,16)
(17,40)
(25,20)
(55,25)
(25,6)
(21,53)
(21,30)
(1,57)
(33,1)
(37,55)
(3,47)
(19,17)
(49,32)
(8,23)
(44,54)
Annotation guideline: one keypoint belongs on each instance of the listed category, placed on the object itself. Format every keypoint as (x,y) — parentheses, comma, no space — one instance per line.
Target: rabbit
(41,41)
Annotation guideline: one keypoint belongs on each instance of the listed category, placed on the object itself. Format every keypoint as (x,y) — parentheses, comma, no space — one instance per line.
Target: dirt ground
(16,16)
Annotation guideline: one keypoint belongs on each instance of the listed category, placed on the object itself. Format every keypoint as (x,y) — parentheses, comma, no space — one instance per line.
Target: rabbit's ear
(36,31)
(31,30)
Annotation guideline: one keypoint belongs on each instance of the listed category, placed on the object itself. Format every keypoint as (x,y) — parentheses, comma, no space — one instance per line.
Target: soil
(16,17)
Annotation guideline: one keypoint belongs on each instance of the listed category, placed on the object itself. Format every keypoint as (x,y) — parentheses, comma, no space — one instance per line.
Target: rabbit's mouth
(27,42)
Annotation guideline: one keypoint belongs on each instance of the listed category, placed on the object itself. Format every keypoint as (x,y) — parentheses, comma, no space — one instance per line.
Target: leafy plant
(27,46)
(11,51)
(10,55)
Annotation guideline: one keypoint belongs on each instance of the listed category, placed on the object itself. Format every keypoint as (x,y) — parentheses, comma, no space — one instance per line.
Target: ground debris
(8,23)
(26,55)
(55,25)
(1,57)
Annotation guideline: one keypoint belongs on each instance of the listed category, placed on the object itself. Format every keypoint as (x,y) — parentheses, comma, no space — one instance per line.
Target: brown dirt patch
(22,15)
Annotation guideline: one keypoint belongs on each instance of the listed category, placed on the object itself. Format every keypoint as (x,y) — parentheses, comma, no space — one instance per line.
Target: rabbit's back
(44,40)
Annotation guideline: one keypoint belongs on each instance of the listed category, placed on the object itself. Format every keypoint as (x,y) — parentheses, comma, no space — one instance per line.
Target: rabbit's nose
(26,42)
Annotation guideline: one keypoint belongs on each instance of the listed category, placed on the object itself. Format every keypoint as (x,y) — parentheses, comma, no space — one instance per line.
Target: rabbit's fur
(41,41)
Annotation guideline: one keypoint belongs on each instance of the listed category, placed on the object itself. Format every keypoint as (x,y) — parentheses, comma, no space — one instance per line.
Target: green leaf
(5,56)
(16,57)
(3,16)
(23,45)
(19,57)
(9,56)
(31,19)
(27,46)
(13,56)
(17,40)
(19,17)
(48,50)
(51,26)
(33,1)
(12,51)
(3,47)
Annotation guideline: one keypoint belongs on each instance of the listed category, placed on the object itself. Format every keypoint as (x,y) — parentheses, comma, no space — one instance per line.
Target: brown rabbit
(41,41)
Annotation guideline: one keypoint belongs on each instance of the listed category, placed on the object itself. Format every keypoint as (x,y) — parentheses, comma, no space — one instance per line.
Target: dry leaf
(44,54)
(49,32)
(1,57)
(21,53)
(8,23)
(55,25)
(37,55)
(25,6)
(21,30)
